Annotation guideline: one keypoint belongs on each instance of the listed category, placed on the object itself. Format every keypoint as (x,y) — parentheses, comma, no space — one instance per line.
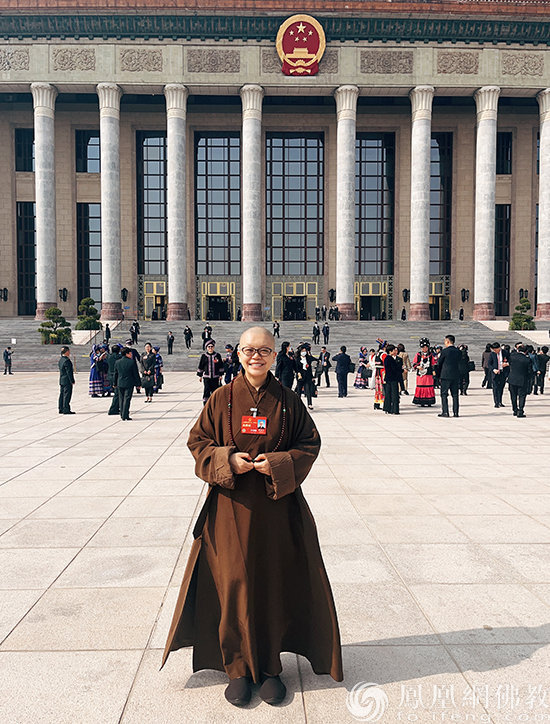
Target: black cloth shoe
(521,414)
(443,414)
(501,405)
(69,413)
(273,691)
(455,414)
(515,412)
(238,691)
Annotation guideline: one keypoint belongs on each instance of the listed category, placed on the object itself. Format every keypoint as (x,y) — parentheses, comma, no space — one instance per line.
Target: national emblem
(300,45)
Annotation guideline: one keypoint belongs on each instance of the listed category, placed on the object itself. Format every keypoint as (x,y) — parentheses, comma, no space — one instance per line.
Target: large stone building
(156,157)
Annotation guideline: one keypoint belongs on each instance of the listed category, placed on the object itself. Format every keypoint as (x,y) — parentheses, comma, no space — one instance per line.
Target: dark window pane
(26,258)
(151,201)
(502,259)
(24,149)
(374,207)
(441,196)
(88,245)
(217,203)
(293,197)
(504,152)
(87,151)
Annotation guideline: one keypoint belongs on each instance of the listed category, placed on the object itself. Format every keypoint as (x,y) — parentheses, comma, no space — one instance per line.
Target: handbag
(471,365)
(368,373)
(351,368)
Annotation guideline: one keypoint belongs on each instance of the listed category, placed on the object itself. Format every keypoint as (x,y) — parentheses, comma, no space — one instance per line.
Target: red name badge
(253,425)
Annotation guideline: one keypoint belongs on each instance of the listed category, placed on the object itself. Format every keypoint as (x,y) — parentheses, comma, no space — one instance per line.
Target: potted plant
(55,329)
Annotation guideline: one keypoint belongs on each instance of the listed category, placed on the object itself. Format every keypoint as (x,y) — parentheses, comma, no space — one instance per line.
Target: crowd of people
(387,371)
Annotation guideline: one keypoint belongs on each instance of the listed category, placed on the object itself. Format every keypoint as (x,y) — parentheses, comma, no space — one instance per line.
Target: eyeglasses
(262,351)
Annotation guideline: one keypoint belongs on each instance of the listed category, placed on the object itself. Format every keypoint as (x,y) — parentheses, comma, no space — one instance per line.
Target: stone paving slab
(435,534)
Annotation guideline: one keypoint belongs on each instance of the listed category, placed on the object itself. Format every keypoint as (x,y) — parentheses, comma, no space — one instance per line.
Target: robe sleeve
(211,457)
(289,468)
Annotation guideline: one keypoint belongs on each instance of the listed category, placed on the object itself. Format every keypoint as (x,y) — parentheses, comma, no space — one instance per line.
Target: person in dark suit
(499,361)
(448,373)
(316,333)
(542,359)
(393,369)
(518,379)
(285,366)
(126,378)
(323,367)
(112,359)
(170,342)
(66,382)
(343,362)
(326,332)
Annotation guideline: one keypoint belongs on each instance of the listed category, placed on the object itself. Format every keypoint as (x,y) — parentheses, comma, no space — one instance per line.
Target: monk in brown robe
(255,583)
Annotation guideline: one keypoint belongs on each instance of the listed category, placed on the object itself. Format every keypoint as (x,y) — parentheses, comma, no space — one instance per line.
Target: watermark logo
(367,702)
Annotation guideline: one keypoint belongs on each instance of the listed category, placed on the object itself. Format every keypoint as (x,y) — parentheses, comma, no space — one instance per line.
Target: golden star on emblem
(301,28)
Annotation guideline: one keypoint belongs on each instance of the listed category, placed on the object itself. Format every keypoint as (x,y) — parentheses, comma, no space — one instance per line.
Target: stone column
(421,140)
(43,96)
(176,107)
(109,133)
(543,271)
(484,230)
(346,111)
(251,195)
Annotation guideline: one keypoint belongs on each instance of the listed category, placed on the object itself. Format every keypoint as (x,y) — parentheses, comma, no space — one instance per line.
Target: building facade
(164,164)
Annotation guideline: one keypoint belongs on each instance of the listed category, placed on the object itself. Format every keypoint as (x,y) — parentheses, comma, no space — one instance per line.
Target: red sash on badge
(251,425)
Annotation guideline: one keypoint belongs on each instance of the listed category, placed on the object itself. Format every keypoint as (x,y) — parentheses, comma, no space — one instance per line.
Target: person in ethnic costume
(148,359)
(210,369)
(424,363)
(362,367)
(379,377)
(159,362)
(96,384)
(255,583)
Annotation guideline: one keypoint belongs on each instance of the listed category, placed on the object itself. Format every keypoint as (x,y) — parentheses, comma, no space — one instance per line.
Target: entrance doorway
(294,308)
(440,307)
(372,307)
(154,300)
(218,308)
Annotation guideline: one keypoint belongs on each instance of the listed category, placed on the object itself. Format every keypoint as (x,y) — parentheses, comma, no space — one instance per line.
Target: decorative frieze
(213,60)
(134,60)
(522,64)
(73,59)
(14,59)
(386,62)
(271,63)
(457,62)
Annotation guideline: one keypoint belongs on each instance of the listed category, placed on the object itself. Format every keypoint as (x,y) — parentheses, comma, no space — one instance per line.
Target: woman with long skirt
(424,363)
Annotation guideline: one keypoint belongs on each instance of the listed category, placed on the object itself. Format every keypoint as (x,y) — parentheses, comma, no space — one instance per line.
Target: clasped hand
(242,462)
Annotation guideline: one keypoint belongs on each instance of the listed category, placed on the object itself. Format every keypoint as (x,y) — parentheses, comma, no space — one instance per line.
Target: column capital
(109,95)
(543,97)
(252,96)
(486,99)
(176,100)
(43,98)
(346,102)
(421,99)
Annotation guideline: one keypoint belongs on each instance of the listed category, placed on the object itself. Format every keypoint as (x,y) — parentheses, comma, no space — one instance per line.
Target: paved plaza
(435,534)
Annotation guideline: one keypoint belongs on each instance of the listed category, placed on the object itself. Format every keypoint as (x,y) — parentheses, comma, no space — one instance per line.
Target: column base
(111,310)
(177,311)
(484,311)
(543,311)
(252,313)
(347,311)
(419,312)
(41,308)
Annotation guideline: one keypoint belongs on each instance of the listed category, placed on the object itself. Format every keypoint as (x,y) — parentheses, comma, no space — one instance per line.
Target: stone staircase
(31,355)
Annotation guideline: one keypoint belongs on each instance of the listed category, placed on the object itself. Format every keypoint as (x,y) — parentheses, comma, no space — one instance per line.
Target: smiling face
(256,367)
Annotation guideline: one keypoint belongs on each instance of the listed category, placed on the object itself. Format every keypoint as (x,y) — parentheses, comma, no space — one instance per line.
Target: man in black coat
(112,359)
(66,382)
(518,379)
(448,372)
(323,367)
(542,359)
(126,378)
(170,342)
(326,332)
(499,361)
(343,362)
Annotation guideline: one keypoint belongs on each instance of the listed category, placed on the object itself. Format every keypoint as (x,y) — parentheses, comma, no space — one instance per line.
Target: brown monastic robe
(255,583)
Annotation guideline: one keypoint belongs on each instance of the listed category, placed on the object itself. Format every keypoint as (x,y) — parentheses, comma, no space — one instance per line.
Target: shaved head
(256,337)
